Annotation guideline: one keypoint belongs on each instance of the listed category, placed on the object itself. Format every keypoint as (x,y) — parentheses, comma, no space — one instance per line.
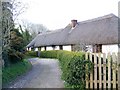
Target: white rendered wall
(109,48)
(68,48)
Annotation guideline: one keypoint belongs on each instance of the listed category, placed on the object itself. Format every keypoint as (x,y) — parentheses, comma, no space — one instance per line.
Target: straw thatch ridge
(101,30)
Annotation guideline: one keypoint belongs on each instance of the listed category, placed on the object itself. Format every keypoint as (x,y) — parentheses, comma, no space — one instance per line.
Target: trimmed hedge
(31,53)
(49,54)
(73,66)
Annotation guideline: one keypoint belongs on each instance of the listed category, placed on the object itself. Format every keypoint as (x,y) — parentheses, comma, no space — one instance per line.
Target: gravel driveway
(44,74)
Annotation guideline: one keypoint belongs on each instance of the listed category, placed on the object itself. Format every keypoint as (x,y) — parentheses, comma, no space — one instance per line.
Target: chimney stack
(39,32)
(73,23)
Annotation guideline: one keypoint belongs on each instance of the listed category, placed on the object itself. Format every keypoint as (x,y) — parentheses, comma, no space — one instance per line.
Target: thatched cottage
(95,33)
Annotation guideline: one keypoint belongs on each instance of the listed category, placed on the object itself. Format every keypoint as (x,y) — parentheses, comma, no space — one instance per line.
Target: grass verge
(11,73)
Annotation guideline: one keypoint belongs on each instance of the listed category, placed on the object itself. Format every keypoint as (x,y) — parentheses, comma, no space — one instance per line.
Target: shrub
(15,56)
(73,66)
(5,57)
(49,54)
(31,53)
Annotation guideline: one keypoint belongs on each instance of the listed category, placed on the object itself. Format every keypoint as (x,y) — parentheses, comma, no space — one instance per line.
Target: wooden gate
(105,71)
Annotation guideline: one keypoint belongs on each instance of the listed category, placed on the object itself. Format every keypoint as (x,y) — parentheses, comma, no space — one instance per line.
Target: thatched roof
(101,30)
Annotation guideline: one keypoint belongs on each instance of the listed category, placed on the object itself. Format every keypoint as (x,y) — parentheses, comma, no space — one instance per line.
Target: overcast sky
(56,14)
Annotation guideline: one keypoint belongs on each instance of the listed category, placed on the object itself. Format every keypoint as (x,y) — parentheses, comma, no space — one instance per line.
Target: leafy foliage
(15,56)
(26,35)
(14,53)
(16,40)
(31,53)
(48,54)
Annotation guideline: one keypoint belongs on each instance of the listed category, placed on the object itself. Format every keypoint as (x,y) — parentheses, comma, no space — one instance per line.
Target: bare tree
(18,8)
(11,10)
(34,29)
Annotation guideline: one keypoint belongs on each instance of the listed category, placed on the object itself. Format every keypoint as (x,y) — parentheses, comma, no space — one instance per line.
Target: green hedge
(17,69)
(73,66)
(49,54)
(31,53)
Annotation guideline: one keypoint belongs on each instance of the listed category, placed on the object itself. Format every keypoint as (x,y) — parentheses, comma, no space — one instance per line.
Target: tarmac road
(45,73)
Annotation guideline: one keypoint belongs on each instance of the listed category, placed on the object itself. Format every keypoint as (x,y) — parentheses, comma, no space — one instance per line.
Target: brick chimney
(73,23)
(39,32)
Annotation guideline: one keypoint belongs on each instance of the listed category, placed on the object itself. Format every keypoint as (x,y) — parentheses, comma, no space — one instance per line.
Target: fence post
(118,70)
(91,74)
(95,71)
(100,70)
(86,57)
(109,70)
(104,70)
(114,67)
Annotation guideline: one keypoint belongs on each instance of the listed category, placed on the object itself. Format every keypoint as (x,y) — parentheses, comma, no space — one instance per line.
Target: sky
(56,14)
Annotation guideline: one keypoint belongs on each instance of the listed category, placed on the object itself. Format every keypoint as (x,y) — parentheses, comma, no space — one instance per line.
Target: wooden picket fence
(104,74)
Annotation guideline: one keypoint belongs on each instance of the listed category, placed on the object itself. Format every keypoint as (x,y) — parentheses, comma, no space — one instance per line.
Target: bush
(49,54)
(31,53)
(73,66)
(15,56)
(5,57)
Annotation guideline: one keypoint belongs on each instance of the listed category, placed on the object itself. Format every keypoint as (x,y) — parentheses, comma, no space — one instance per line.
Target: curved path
(45,73)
